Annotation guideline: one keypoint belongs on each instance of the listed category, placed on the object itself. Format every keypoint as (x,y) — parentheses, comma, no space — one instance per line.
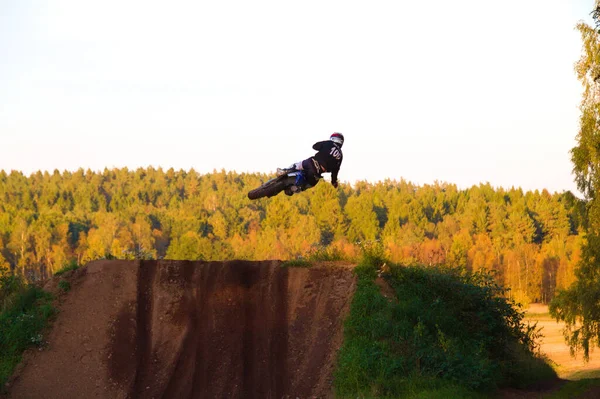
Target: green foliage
(449,330)
(297,263)
(575,389)
(140,253)
(318,253)
(578,305)
(24,313)
(323,253)
(71,266)
(50,219)
(372,253)
(364,224)
(10,287)
(64,285)
(445,391)
(191,246)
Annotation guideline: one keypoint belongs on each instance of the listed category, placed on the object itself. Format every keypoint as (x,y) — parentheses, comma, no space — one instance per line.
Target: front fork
(297,183)
(300,180)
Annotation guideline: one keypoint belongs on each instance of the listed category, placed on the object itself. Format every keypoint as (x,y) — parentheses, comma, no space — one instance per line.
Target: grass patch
(584,374)
(326,254)
(67,268)
(447,392)
(297,263)
(574,389)
(316,254)
(25,312)
(451,334)
(64,285)
(535,315)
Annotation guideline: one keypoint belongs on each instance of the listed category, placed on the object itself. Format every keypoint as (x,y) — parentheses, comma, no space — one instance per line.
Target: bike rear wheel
(269,189)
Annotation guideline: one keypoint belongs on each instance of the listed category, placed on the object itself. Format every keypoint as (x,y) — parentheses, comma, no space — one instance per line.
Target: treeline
(531,240)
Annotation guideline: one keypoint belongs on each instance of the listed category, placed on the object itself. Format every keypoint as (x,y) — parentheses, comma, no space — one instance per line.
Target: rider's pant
(310,171)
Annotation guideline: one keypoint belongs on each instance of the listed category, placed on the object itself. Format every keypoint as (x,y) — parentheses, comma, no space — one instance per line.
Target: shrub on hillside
(23,314)
(446,326)
(64,285)
(67,268)
(323,253)
(297,263)
(372,253)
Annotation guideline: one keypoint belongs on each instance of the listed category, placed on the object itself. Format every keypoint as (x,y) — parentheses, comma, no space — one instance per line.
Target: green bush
(10,287)
(326,254)
(71,266)
(576,389)
(297,263)
(448,330)
(317,254)
(25,311)
(64,285)
(372,253)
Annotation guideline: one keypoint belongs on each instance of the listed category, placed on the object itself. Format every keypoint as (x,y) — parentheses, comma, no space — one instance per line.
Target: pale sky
(462,91)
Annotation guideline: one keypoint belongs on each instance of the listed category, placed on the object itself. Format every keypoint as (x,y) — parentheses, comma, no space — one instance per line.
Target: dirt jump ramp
(182,329)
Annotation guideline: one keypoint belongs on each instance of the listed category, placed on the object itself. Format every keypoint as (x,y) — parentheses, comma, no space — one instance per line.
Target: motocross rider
(328,159)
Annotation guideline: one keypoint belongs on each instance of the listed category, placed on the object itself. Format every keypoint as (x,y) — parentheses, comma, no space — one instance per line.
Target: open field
(554,346)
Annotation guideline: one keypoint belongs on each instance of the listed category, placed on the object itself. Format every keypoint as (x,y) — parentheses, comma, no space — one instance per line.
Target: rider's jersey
(329,156)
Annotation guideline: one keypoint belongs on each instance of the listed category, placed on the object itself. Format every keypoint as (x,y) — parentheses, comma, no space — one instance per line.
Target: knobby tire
(269,189)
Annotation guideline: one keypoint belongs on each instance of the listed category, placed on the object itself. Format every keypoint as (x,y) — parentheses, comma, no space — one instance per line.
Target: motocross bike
(290,180)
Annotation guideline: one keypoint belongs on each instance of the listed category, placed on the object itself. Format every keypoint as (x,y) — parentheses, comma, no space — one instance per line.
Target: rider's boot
(291,190)
(291,168)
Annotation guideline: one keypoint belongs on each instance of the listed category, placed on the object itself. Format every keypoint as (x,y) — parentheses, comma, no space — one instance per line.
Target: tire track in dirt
(146,273)
(182,329)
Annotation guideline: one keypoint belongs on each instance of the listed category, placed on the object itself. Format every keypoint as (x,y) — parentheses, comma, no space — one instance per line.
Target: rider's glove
(334,184)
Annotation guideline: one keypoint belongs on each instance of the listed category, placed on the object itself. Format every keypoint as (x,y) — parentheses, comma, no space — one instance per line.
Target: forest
(530,241)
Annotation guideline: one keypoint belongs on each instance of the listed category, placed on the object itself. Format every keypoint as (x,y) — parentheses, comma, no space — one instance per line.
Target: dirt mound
(179,329)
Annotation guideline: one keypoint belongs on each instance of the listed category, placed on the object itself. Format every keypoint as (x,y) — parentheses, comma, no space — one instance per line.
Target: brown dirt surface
(182,329)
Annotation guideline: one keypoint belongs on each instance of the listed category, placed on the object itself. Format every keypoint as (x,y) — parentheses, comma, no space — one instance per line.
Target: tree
(42,244)
(431,253)
(143,240)
(461,244)
(325,206)
(20,245)
(189,246)
(218,225)
(481,255)
(578,305)
(48,220)
(4,265)
(364,225)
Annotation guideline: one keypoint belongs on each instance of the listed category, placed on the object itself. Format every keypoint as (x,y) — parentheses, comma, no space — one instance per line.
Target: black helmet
(337,138)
